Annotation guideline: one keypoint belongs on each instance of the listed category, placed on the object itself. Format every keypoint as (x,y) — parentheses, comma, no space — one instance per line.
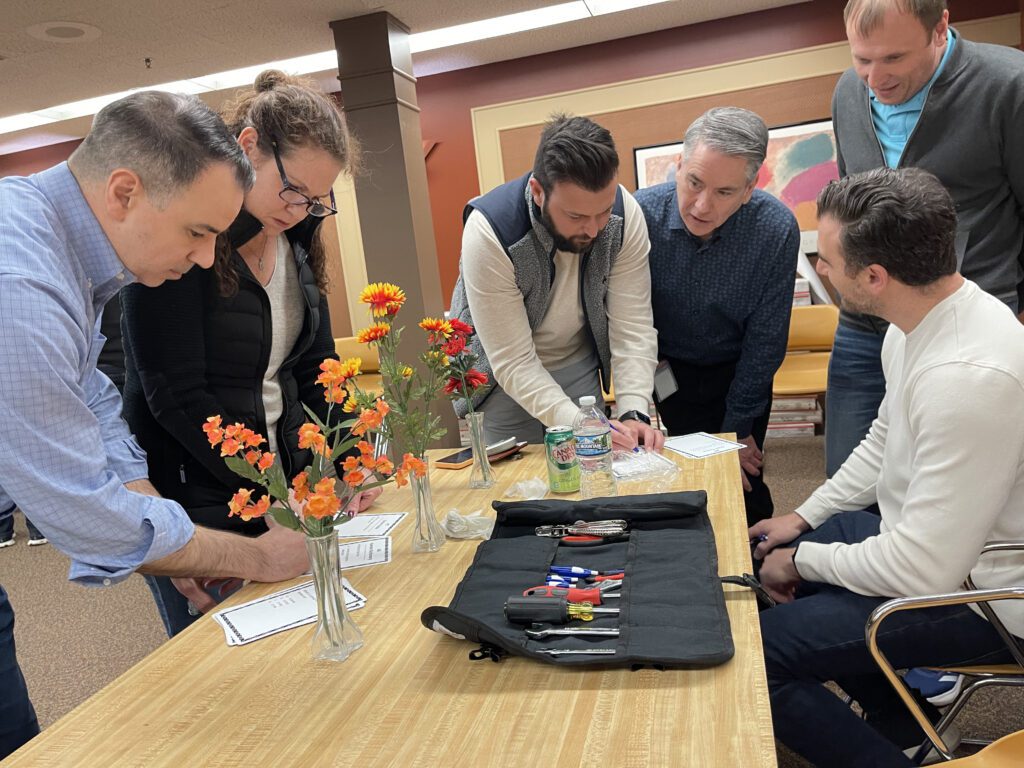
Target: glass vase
(336,635)
(482,475)
(427,536)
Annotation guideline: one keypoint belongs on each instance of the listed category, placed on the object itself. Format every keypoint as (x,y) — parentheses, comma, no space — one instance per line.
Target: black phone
(464,458)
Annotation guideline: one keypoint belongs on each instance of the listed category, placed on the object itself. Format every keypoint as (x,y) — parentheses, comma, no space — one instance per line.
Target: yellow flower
(407,372)
(438,330)
(384,298)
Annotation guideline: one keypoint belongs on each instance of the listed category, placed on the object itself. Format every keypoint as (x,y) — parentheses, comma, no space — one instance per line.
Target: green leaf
(241,467)
(285,517)
(313,417)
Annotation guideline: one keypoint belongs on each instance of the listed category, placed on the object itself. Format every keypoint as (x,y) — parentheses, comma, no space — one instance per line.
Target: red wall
(35,160)
(446,99)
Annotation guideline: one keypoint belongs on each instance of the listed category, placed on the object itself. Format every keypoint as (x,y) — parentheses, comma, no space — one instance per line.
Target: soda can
(563,464)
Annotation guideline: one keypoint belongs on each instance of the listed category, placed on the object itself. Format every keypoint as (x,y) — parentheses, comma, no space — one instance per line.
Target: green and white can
(563,464)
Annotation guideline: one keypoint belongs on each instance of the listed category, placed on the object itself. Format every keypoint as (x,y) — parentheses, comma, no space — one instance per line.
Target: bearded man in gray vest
(555,280)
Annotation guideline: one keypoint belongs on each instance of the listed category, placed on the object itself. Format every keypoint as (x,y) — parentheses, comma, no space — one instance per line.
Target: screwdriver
(533,609)
(575,570)
(572,594)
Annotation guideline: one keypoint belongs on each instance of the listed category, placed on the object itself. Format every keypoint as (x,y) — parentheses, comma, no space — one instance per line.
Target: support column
(379,96)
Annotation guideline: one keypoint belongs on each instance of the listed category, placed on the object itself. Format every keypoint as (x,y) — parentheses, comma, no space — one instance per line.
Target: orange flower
(234,431)
(373,333)
(382,407)
(364,448)
(337,372)
(323,503)
(334,394)
(384,466)
(311,437)
(251,439)
(252,456)
(350,464)
(239,501)
(383,298)
(259,509)
(368,419)
(213,431)
(417,466)
(438,330)
(265,462)
(300,486)
(230,447)
(326,485)
(354,479)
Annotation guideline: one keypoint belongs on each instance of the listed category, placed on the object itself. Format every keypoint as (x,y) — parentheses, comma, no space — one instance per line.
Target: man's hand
(779,576)
(283,553)
(627,435)
(751,460)
(777,531)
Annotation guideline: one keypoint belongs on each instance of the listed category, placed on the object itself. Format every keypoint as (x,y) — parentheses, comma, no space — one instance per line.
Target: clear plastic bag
(642,465)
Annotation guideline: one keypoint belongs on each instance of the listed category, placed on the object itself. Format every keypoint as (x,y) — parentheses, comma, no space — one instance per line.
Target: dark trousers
(18,721)
(7,527)
(820,637)
(170,604)
(699,406)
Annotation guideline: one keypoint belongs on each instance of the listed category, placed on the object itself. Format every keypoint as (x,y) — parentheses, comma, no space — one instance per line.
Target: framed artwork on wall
(801,160)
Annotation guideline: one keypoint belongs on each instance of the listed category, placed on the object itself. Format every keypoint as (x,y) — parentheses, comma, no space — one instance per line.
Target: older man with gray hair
(723,260)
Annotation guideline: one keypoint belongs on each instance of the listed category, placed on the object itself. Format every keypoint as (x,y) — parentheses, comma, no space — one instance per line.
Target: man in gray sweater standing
(919,95)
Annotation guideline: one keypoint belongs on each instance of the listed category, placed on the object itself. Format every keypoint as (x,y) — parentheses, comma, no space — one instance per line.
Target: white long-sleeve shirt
(521,359)
(944,460)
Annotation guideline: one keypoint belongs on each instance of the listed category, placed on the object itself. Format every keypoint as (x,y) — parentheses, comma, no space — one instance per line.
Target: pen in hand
(636,448)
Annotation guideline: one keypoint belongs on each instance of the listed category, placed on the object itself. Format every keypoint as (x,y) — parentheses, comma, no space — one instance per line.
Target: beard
(577,244)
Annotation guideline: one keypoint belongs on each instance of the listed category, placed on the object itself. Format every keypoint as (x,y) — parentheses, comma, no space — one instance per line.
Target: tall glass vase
(336,635)
(427,536)
(482,475)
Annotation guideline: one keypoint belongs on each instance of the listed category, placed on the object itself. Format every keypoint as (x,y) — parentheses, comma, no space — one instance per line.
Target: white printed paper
(359,554)
(363,526)
(287,609)
(700,445)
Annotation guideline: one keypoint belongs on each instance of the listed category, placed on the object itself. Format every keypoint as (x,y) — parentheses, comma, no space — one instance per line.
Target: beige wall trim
(489,121)
(350,238)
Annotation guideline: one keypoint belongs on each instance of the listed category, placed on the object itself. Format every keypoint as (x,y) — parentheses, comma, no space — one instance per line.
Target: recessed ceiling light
(64,32)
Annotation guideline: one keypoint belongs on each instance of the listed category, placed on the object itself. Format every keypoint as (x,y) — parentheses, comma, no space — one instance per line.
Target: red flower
(460,328)
(475,378)
(454,346)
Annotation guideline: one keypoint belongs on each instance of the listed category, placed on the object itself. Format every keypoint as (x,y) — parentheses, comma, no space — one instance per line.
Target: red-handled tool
(593,595)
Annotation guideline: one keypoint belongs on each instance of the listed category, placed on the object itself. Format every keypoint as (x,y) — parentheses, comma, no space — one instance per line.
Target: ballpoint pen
(636,448)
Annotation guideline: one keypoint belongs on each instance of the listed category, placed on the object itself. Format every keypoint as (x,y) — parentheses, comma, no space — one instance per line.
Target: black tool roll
(672,609)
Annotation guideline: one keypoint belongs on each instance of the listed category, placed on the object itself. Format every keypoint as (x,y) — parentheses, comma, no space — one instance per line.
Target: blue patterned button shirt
(727,299)
(65,451)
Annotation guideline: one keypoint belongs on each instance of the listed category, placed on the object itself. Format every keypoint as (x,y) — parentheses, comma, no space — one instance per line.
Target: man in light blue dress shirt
(142,199)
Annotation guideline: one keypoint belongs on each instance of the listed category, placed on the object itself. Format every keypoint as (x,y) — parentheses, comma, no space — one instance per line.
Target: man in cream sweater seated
(944,461)
(554,278)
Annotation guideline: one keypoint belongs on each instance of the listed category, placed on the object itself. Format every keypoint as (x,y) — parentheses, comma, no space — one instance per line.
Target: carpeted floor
(72,641)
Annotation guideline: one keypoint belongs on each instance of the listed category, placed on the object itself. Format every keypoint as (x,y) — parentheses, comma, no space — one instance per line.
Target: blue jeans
(7,527)
(820,637)
(18,721)
(856,386)
(171,604)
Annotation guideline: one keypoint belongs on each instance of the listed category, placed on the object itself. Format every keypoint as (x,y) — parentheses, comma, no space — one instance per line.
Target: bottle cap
(587,400)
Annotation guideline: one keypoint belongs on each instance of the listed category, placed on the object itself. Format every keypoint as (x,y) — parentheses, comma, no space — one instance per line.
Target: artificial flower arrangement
(447,368)
(314,501)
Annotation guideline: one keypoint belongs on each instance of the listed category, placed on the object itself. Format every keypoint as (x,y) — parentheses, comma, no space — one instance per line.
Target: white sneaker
(7,542)
(38,542)
(952,738)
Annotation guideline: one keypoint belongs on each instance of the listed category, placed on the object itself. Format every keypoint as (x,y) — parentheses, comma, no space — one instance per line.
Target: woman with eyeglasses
(244,339)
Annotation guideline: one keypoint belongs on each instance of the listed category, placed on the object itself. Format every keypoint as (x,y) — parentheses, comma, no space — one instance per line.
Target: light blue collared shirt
(895,122)
(65,451)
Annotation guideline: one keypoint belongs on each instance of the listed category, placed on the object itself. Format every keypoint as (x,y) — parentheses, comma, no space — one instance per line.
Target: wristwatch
(635,416)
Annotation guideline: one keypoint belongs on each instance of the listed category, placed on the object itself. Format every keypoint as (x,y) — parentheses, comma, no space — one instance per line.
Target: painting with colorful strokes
(801,160)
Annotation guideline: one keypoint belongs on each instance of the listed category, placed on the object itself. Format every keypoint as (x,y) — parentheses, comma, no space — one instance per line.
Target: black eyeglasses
(292,196)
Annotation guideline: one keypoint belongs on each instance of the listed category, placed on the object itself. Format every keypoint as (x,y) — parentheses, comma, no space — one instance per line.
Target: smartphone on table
(496,451)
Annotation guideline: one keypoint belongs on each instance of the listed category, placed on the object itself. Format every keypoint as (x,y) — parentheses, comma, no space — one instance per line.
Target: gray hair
(732,131)
(865,16)
(168,139)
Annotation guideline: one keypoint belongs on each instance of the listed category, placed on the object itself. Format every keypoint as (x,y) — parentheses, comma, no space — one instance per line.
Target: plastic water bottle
(593,435)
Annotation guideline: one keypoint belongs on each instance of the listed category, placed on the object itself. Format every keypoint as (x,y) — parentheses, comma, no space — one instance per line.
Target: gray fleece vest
(515,220)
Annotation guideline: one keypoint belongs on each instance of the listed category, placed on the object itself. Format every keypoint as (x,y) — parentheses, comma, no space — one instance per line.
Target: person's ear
(537,191)
(877,278)
(248,140)
(123,193)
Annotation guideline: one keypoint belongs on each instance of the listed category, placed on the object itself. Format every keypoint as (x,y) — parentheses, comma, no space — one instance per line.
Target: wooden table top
(410,697)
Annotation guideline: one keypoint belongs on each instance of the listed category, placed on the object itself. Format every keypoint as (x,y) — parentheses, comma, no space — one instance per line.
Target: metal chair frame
(978,679)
